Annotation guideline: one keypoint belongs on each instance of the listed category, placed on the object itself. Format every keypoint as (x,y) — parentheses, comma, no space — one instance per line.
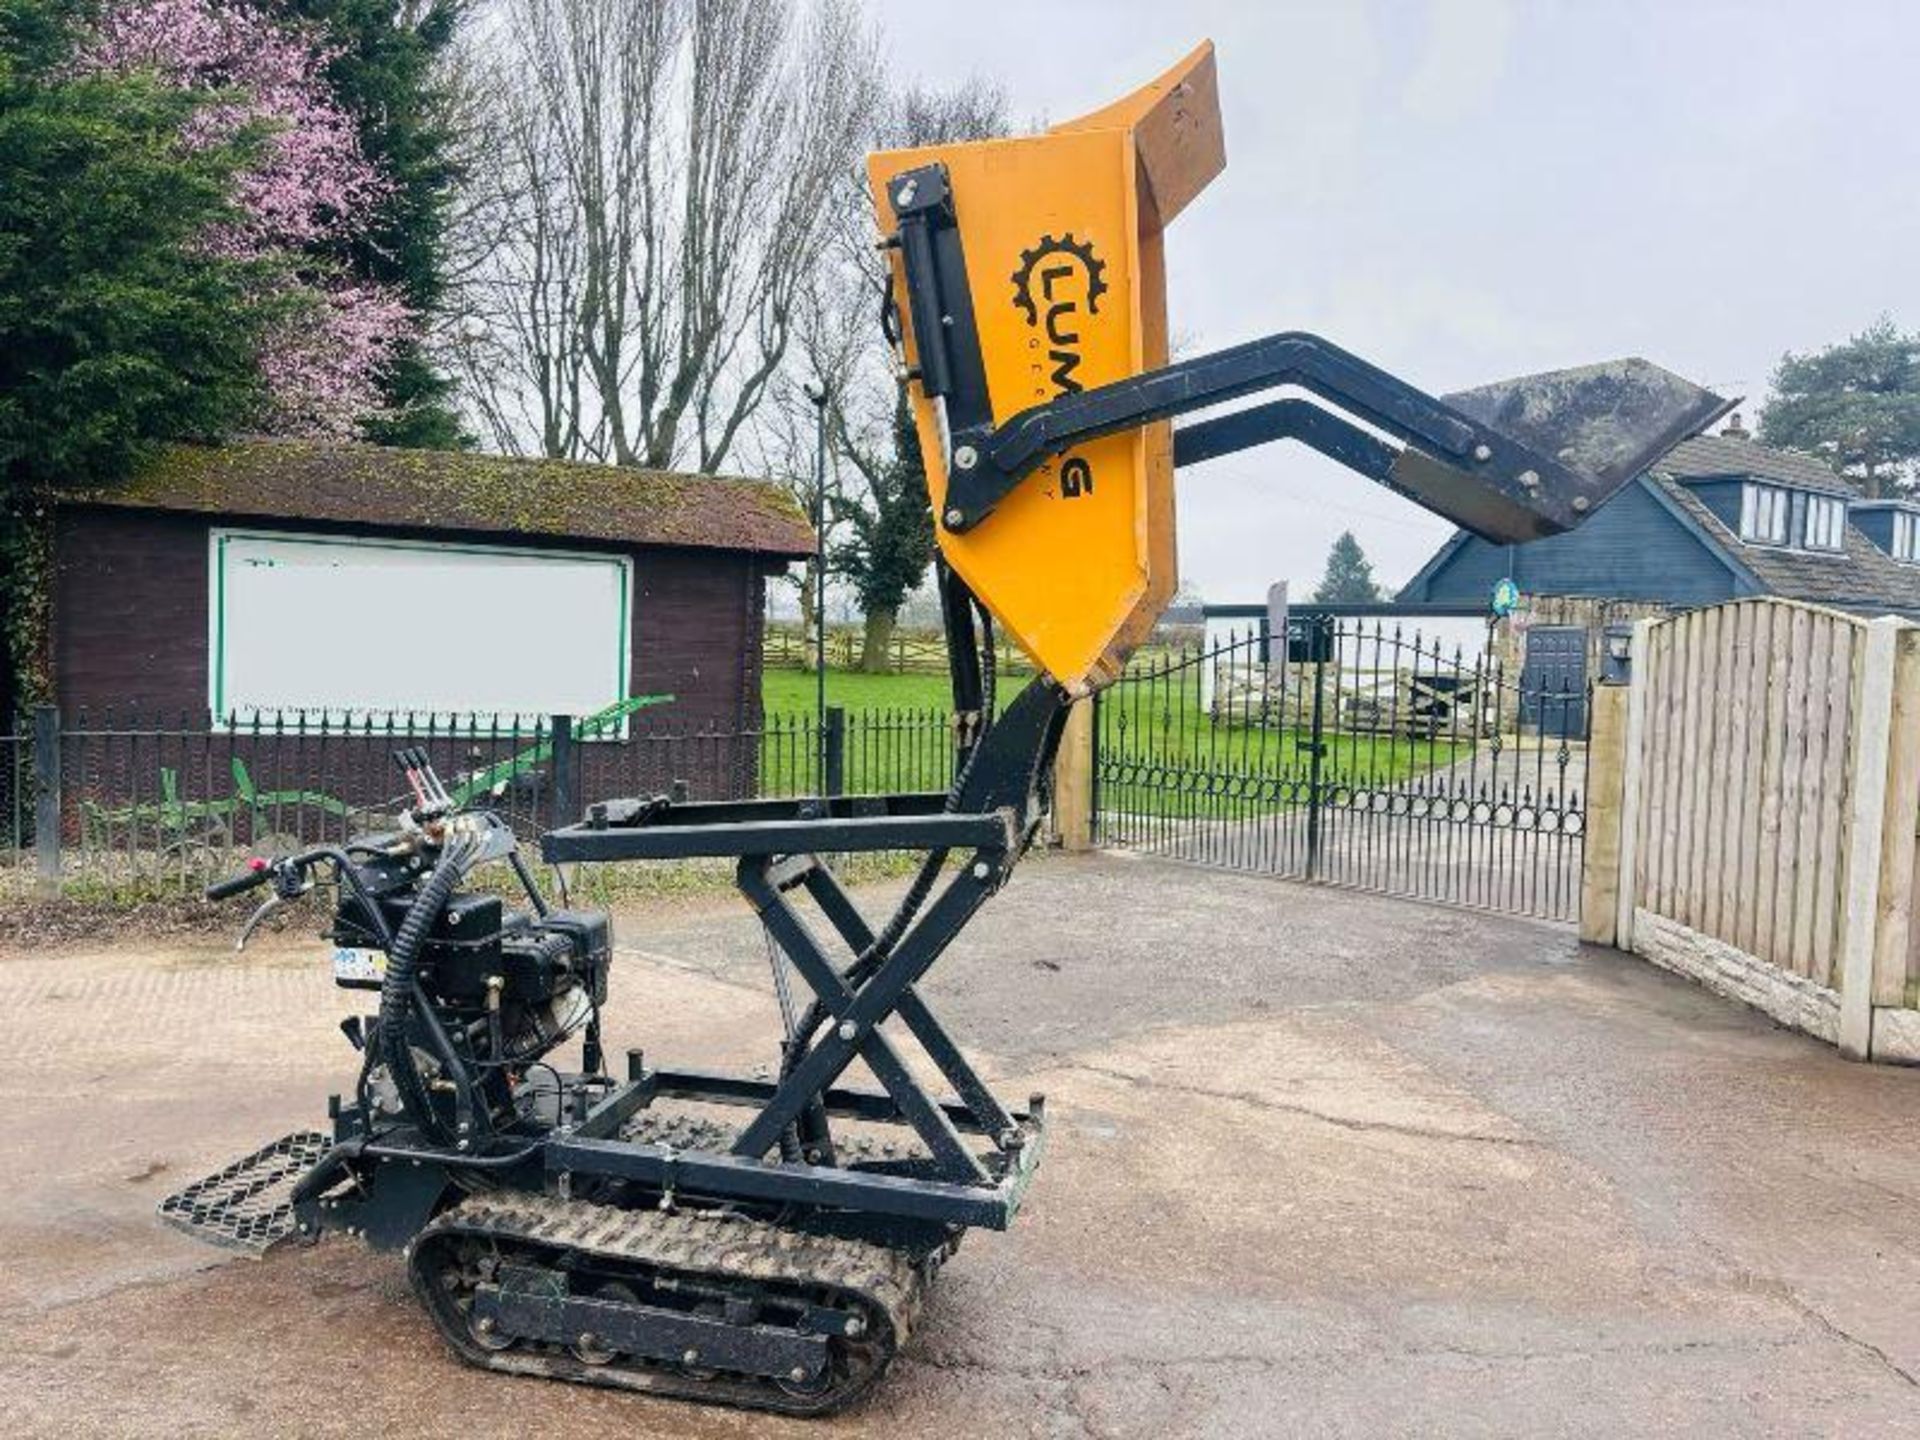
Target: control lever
(290,882)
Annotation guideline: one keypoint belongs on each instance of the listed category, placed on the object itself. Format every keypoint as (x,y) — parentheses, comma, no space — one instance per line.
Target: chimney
(1734,429)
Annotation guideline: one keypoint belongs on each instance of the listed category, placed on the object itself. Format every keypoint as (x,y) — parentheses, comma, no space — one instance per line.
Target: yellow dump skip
(1062,241)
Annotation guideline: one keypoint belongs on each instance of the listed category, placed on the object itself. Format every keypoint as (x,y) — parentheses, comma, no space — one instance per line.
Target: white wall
(351,627)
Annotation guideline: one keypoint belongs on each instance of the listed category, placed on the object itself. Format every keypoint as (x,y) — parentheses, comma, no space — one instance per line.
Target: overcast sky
(1464,190)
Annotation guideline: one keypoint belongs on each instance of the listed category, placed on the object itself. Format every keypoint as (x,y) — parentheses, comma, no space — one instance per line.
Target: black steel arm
(1300,420)
(1469,471)
(1512,461)
(1290,358)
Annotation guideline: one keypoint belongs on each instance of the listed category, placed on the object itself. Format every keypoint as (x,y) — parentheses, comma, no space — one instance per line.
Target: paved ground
(1324,1164)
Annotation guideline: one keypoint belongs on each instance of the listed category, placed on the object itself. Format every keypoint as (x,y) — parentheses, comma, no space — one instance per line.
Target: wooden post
(1866,824)
(1893,925)
(1606,772)
(1633,783)
(46,796)
(1073,780)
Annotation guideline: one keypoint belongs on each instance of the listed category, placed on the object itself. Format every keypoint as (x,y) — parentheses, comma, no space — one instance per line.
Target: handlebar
(257,873)
(291,878)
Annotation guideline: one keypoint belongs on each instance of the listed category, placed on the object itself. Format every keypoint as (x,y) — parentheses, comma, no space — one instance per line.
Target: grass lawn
(791,692)
(897,740)
(897,731)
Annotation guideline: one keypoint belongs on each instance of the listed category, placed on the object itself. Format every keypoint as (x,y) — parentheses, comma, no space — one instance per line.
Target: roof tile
(1707,456)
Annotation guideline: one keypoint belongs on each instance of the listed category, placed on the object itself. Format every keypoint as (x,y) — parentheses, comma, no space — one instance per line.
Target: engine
(504,985)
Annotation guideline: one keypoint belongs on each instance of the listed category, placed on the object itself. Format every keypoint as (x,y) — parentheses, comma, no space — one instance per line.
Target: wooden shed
(297,574)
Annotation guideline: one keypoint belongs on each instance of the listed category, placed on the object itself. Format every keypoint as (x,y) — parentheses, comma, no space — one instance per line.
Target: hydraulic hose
(989,674)
(396,992)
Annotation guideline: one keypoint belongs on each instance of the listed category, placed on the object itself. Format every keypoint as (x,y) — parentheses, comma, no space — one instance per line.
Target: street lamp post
(817,393)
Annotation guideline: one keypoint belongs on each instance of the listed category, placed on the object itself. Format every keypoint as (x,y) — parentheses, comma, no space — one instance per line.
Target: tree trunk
(809,617)
(876,645)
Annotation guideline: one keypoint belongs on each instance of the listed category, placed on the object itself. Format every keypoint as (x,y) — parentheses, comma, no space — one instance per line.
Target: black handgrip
(246,880)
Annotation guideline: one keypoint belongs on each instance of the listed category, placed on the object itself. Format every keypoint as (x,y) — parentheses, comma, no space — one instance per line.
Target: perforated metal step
(247,1206)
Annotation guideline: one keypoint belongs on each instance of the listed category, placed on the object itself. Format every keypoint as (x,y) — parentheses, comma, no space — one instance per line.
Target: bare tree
(659,182)
(882,527)
(872,519)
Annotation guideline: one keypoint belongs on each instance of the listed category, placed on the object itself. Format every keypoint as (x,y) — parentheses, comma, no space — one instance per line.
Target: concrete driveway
(1323,1164)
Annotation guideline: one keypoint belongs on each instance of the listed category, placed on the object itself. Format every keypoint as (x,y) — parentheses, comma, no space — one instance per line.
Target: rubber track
(888,1287)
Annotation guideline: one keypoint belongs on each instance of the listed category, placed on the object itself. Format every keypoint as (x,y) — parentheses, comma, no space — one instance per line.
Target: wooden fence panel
(1844,675)
(1790,672)
(1811,678)
(1758,624)
(1658,810)
(1685,801)
(1745,769)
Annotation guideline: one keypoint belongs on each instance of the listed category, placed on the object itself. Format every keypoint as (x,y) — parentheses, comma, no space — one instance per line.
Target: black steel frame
(989,818)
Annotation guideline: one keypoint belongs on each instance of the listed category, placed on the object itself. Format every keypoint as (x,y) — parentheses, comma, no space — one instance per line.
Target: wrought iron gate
(1366,757)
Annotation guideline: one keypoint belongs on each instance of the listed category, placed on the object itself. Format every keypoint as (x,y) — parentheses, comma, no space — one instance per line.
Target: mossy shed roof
(353,484)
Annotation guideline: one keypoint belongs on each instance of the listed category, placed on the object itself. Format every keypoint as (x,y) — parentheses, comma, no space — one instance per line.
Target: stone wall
(1726,970)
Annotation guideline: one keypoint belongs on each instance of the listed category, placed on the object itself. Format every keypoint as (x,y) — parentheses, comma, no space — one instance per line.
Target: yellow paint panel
(1064,262)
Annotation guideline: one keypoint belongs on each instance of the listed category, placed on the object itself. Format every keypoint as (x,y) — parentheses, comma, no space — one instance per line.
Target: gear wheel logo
(1072,256)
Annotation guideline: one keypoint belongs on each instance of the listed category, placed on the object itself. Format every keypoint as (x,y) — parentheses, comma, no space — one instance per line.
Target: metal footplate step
(247,1206)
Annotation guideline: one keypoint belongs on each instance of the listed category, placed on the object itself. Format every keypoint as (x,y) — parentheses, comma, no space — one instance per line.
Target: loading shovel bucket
(1595,427)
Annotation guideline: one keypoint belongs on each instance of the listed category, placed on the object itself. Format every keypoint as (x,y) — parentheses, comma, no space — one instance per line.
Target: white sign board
(350,628)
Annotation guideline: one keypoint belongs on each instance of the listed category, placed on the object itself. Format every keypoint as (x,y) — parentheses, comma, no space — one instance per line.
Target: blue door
(1553,681)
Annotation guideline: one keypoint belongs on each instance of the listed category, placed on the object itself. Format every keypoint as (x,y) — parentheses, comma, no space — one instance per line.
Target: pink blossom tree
(311,187)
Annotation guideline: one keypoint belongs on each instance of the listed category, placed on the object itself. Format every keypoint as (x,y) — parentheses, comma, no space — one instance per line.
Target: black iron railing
(127,801)
(1366,757)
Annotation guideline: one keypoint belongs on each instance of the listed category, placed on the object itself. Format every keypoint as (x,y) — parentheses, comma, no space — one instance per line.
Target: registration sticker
(352,963)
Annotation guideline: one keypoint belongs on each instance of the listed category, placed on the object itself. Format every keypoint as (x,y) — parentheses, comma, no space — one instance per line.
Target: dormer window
(1826,523)
(1764,514)
(1779,515)
(1906,535)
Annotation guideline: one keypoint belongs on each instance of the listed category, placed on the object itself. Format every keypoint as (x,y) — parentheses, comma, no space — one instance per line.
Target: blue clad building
(1720,518)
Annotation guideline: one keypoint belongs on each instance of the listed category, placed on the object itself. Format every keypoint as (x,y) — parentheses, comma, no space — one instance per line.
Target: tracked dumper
(767,1240)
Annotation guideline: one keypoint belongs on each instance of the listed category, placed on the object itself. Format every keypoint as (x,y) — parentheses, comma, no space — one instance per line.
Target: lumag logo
(1058,286)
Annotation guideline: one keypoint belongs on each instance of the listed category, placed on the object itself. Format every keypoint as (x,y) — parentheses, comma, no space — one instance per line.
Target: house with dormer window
(1722,517)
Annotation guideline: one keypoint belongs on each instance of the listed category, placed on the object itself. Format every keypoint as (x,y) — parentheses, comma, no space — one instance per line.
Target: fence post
(834,748)
(1866,829)
(563,765)
(1317,749)
(1073,779)
(46,793)
(1606,775)
(1893,930)
(1632,781)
